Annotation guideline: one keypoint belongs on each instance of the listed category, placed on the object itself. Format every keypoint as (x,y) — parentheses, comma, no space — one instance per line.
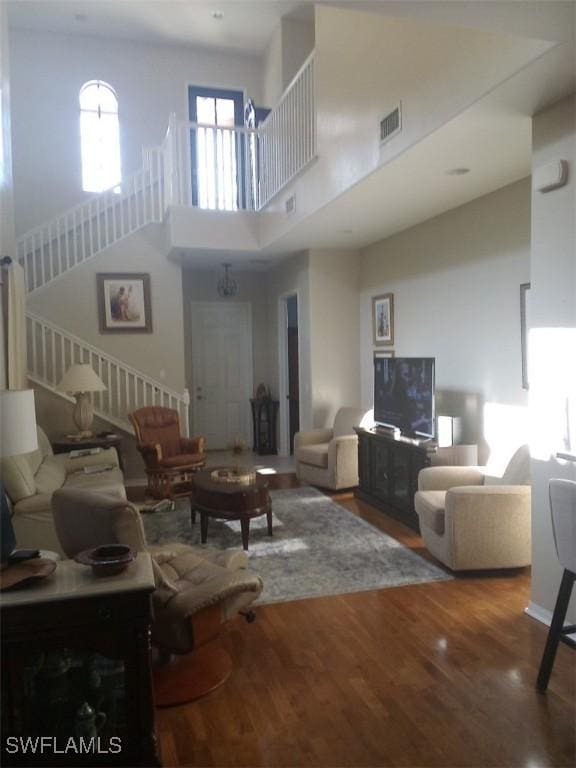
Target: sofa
(470,520)
(329,457)
(31,479)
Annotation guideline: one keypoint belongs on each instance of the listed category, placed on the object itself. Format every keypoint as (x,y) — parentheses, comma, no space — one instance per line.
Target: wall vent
(391,124)
(290,204)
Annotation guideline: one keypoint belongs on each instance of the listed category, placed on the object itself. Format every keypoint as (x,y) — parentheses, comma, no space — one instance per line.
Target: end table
(66,444)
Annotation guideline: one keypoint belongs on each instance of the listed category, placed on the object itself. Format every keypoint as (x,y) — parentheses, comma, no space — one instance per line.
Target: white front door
(221,372)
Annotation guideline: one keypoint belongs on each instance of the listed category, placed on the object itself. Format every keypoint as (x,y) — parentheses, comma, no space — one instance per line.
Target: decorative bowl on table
(234,475)
(107,559)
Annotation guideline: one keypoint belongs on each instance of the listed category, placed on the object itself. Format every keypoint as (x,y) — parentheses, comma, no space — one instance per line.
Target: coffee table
(230,501)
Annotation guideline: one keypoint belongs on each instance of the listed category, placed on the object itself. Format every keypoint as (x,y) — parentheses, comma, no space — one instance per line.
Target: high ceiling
(244,27)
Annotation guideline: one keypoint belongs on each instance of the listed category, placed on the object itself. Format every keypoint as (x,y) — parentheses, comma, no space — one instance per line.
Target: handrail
(51,350)
(311,57)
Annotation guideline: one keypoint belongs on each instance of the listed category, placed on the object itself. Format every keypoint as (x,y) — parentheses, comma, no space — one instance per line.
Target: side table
(76,664)
(67,444)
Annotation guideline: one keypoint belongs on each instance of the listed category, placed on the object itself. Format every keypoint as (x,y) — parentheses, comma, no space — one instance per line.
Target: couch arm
(105,456)
(192,444)
(489,526)
(343,460)
(443,478)
(311,437)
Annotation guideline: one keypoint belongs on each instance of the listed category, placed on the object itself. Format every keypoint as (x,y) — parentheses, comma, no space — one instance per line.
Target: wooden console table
(76,663)
(388,468)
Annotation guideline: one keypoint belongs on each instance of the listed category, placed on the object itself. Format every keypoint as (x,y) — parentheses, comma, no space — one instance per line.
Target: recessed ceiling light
(218,15)
(457,171)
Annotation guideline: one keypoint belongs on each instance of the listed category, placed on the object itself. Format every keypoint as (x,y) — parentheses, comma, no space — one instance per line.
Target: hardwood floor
(438,674)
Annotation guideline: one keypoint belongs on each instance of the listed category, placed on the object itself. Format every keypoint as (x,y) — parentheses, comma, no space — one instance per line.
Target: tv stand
(388,466)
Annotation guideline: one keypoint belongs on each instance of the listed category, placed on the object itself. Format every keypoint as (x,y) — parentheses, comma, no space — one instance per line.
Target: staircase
(236,169)
(50,250)
(52,350)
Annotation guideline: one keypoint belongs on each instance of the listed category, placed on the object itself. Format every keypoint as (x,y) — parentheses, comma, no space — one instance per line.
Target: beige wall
(200,285)
(552,339)
(290,44)
(334,332)
(71,302)
(364,66)
(455,280)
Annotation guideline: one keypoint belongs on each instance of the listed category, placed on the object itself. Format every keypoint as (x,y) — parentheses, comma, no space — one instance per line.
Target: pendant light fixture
(226,286)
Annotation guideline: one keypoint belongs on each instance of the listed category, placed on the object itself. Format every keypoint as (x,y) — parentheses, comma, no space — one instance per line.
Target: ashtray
(107,559)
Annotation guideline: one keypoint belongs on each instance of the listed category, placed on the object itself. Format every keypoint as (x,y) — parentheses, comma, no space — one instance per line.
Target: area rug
(318,547)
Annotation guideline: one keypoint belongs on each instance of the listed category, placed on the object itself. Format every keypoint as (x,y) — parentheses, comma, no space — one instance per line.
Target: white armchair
(329,457)
(471,521)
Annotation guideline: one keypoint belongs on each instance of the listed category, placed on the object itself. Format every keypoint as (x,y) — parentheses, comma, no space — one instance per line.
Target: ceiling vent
(391,124)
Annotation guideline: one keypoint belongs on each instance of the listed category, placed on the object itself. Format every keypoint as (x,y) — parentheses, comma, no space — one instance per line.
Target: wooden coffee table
(230,501)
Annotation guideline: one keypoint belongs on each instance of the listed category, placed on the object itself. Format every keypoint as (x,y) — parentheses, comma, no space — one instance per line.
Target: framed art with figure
(383,319)
(124,303)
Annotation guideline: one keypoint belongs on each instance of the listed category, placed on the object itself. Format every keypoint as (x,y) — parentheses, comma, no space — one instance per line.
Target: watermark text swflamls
(79,745)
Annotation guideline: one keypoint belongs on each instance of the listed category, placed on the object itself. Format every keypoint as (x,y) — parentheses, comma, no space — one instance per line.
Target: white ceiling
(246,27)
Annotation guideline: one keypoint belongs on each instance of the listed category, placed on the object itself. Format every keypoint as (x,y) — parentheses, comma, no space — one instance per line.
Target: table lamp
(18,435)
(79,380)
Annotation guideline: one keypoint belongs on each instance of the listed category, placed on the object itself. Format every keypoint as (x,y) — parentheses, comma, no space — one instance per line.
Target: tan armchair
(471,521)
(169,458)
(197,590)
(329,457)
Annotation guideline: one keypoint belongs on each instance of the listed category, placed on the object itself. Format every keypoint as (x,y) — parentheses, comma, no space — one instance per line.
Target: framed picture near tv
(124,303)
(383,319)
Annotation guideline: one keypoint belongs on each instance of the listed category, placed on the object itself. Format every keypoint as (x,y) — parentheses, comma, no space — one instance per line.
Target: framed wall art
(124,303)
(383,319)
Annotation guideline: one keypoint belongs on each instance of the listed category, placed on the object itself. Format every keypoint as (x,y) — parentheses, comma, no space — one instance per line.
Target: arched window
(99,137)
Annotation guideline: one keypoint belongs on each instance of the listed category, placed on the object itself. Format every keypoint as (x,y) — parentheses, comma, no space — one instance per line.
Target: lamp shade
(81,378)
(17,422)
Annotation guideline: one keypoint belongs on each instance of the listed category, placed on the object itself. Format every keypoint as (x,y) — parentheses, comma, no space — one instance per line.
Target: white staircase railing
(199,166)
(210,167)
(52,350)
(287,138)
(49,250)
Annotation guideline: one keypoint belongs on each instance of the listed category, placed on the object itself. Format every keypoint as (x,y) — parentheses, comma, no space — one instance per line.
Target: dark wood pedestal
(264,415)
(388,467)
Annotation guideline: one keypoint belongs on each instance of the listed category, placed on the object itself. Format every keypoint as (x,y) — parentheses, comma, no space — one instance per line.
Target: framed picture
(524,326)
(383,319)
(124,303)
(383,353)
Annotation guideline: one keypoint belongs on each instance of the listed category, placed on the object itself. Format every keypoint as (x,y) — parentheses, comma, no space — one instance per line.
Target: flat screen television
(404,394)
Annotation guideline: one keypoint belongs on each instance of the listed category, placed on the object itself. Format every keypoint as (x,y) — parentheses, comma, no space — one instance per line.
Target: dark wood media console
(388,467)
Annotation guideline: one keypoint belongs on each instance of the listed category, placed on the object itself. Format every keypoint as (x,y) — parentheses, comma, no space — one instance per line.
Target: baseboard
(544,616)
(536,611)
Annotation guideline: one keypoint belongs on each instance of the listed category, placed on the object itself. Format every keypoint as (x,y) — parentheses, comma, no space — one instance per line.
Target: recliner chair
(329,457)
(197,590)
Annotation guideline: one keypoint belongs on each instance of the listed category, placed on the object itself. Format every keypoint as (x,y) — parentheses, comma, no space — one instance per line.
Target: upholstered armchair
(329,457)
(197,590)
(472,521)
(169,458)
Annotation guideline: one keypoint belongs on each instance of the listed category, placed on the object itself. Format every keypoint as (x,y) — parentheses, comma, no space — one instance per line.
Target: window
(216,151)
(99,137)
